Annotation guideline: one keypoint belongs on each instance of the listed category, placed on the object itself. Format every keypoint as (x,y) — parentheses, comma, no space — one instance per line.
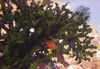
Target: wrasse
(59,55)
(51,45)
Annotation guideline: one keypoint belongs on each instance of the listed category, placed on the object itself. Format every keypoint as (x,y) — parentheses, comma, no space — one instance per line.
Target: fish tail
(50,51)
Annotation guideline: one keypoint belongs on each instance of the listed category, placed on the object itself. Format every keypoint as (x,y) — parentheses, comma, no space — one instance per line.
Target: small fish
(59,55)
(51,45)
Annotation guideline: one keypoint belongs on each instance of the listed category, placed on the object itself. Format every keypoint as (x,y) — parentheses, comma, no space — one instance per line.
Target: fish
(59,55)
(51,45)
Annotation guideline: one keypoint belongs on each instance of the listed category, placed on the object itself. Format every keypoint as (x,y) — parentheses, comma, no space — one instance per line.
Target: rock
(98,54)
(74,67)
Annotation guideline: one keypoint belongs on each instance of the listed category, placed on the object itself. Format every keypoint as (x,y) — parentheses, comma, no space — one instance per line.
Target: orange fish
(51,45)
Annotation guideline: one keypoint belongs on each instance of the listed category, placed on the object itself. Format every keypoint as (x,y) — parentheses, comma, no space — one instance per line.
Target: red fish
(59,55)
(51,45)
